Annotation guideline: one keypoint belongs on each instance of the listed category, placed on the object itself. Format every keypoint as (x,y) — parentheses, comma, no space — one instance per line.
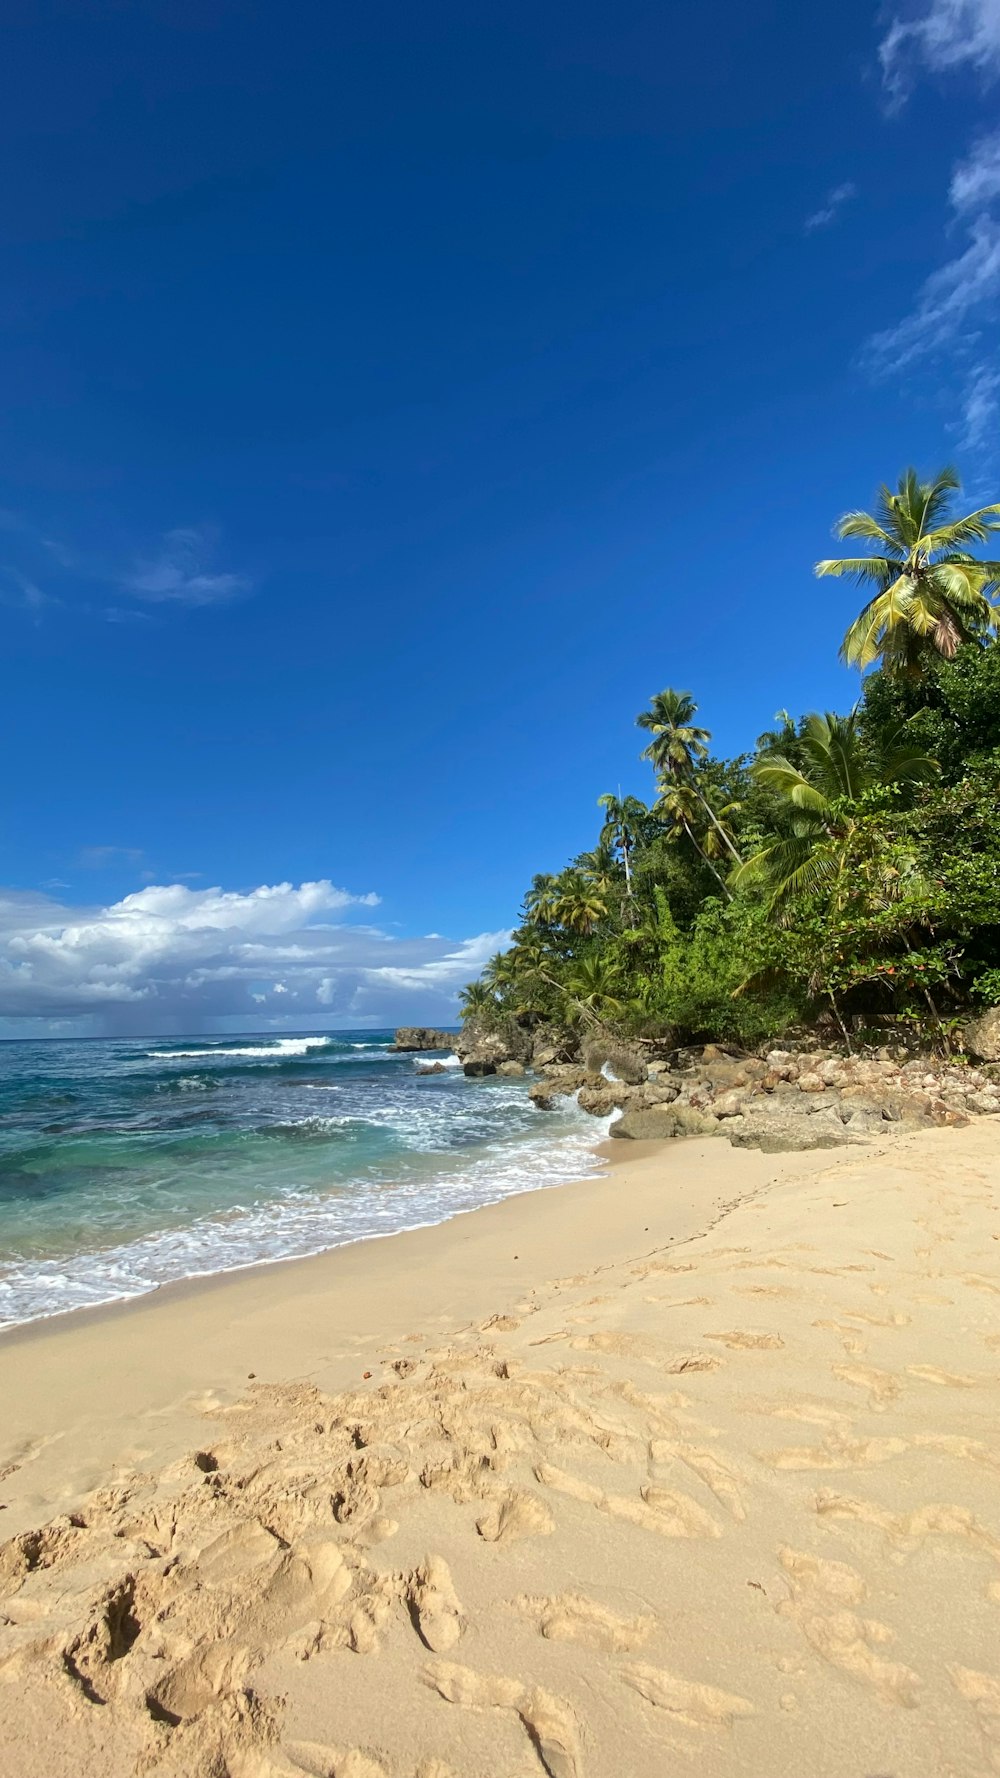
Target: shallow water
(130,1162)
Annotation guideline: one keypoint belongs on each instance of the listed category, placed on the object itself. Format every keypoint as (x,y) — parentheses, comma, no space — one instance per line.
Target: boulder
(626,1064)
(658,1123)
(478,1066)
(812,1083)
(774,1133)
(413,1038)
(729,1105)
(602,1100)
(946,1116)
(982,1037)
(432,1068)
(512,1070)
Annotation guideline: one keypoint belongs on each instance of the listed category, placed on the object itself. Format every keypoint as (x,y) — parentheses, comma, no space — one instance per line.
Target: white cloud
(975,183)
(958,304)
(181,573)
(832,204)
(170,957)
(945,35)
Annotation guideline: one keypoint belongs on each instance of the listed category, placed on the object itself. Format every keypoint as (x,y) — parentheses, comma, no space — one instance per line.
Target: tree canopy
(846,869)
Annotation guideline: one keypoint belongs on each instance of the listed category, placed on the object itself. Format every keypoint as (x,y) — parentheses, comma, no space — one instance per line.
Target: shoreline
(587,1142)
(654,1458)
(197,1342)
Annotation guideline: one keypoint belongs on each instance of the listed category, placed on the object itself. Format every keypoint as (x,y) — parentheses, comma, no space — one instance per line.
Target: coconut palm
(825,850)
(677,749)
(593,986)
(929,594)
(678,806)
(542,899)
(622,827)
(582,903)
(475,999)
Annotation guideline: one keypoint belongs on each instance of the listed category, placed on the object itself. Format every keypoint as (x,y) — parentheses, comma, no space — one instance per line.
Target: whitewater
(129,1164)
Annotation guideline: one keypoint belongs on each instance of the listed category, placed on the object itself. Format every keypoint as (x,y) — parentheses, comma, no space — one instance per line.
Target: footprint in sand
(882,1386)
(836,1579)
(434,1605)
(549,1723)
(571,1617)
(517,1514)
(698,1706)
(836,1453)
(982,1691)
(842,1638)
(709,1468)
(746,1341)
(667,1513)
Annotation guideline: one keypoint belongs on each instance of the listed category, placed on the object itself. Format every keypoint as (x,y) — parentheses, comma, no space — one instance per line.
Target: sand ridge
(723,1508)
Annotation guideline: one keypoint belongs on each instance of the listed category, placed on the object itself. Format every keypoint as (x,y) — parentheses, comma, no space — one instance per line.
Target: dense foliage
(846,872)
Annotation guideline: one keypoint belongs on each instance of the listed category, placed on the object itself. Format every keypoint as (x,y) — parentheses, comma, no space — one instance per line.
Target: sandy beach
(691,1468)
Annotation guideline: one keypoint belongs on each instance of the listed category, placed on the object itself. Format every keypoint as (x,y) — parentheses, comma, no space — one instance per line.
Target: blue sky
(394,400)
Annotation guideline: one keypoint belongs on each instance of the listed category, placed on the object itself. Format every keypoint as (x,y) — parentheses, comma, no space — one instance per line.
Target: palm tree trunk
(723,885)
(720,830)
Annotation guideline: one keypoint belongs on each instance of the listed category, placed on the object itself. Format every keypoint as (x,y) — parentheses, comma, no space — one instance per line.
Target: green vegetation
(847,872)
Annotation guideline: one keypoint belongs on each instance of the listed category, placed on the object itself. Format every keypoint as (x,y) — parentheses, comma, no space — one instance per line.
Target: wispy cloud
(950,327)
(831,207)
(103,857)
(182,571)
(945,35)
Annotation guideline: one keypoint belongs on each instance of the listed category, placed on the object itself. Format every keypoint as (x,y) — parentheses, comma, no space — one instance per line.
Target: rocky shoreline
(787,1099)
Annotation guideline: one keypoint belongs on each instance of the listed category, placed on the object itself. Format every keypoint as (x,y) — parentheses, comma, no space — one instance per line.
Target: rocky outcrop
(624,1062)
(982,1037)
(411,1039)
(659,1123)
(786,1100)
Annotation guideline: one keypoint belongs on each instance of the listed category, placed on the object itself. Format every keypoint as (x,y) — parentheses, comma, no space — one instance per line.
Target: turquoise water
(128,1163)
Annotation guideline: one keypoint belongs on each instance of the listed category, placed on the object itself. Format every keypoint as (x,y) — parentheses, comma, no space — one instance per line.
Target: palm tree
(677,744)
(593,984)
(476,998)
(825,850)
(678,748)
(679,807)
(581,905)
(542,899)
(929,594)
(622,827)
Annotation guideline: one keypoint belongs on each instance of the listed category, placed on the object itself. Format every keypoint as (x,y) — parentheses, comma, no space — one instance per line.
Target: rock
(512,1070)
(729,1105)
(542,1096)
(412,1038)
(659,1123)
(712,1053)
(602,1100)
(982,1037)
(657,1092)
(432,1068)
(773,1133)
(778,1058)
(985,1103)
(893,1104)
(626,1064)
(477,1066)
(812,1083)
(945,1116)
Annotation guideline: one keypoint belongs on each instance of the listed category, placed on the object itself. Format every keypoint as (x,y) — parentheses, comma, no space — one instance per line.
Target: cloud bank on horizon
(171,958)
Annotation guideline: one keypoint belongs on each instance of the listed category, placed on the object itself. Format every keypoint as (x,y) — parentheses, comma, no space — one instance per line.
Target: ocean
(128,1163)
